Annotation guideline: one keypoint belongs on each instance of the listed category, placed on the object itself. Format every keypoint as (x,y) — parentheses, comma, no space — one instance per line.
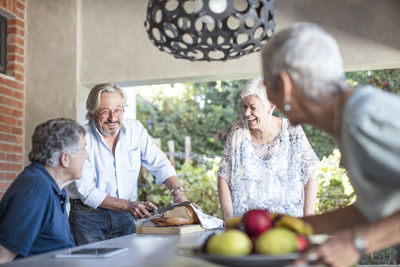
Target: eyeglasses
(105,113)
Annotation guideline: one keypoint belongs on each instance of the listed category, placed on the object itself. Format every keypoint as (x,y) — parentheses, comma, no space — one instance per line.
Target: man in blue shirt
(103,202)
(33,218)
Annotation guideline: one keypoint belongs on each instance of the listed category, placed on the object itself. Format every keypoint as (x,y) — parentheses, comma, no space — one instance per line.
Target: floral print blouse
(270,176)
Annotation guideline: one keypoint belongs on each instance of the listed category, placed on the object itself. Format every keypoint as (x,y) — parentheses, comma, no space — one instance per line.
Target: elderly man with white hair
(104,202)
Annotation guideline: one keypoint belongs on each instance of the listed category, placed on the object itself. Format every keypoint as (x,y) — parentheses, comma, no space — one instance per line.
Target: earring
(287,107)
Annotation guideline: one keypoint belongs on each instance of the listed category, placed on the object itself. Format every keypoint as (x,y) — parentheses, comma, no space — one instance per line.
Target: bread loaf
(169,221)
(185,212)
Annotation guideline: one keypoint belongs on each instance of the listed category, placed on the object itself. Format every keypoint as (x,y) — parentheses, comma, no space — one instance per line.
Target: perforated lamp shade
(209,30)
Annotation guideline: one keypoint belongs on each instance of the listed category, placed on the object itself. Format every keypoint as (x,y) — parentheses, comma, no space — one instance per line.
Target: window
(3,44)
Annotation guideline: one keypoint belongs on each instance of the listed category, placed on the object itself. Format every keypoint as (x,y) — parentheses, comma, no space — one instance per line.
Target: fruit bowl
(251,260)
(258,238)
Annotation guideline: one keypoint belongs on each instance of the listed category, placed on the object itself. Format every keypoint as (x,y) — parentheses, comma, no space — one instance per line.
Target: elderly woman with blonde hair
(267,163)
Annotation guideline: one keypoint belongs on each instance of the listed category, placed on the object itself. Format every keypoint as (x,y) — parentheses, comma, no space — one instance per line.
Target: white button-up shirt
(117,176)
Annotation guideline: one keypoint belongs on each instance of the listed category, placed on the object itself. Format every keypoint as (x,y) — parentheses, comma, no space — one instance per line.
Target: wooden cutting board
(169,230)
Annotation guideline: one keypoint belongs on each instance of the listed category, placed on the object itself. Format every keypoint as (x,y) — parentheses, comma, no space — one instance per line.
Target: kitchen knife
(164,209)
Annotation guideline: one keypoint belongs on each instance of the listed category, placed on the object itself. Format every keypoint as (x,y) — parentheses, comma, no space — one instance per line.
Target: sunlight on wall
(169,90)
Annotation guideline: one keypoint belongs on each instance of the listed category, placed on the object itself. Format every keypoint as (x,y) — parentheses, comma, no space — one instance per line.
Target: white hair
(310,56)
(93,100)
(256,87)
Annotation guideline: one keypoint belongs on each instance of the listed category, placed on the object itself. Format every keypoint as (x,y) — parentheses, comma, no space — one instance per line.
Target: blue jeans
(91,225)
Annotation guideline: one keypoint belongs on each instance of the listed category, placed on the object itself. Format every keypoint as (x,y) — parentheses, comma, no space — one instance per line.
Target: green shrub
(149,191)
(199,182)
(384,256)
(334,188)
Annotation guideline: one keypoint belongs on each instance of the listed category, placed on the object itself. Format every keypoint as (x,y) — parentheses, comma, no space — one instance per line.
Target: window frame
(3,44)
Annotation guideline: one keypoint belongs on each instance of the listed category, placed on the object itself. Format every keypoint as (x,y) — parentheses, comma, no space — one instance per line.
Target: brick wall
(12,95)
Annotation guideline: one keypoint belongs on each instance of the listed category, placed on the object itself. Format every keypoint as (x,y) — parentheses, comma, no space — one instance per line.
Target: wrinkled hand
(139,209)
(180,197)
(338,251)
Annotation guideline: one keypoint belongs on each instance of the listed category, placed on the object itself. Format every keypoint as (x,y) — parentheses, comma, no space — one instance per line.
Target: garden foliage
(206,112)
(334,188)
(198,180)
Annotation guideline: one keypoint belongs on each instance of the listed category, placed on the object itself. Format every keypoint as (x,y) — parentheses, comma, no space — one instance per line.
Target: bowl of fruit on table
(258,238)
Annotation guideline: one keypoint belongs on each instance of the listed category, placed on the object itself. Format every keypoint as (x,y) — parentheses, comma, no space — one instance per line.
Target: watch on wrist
(360,243)
(177,188)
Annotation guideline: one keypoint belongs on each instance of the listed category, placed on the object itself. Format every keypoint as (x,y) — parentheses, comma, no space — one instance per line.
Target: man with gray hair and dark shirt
(33,218)
(103,202)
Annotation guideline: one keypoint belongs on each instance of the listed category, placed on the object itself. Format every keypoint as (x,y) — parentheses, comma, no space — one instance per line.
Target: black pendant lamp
(210,30)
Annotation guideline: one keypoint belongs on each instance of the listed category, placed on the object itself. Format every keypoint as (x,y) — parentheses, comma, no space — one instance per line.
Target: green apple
(230,243)
(277,240)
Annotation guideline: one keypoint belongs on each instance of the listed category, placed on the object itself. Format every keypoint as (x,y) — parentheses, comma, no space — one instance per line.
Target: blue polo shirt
(33,218)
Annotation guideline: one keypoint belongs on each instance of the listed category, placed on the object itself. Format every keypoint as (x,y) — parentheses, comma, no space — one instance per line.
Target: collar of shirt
(61,193)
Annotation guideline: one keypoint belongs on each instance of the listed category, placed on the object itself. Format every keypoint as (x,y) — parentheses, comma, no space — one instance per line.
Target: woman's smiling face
(254,111)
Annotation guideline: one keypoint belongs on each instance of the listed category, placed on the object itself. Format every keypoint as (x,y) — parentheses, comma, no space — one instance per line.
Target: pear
(277,240)
(233,243)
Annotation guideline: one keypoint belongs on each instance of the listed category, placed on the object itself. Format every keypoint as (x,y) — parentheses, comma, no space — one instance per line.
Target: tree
(205,112)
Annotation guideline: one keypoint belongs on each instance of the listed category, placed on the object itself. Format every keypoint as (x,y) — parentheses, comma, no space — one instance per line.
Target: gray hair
(93,100)
(256,87)
(54,137)
(310,56)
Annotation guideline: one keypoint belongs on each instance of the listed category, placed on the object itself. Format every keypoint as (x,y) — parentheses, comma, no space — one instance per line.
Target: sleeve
(22,222)
(153,159)
(309,160)
(225,166)
(86,186)
(371,137)
(370,147)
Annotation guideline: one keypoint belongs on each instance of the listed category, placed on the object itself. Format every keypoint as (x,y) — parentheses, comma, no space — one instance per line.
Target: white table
(143,250)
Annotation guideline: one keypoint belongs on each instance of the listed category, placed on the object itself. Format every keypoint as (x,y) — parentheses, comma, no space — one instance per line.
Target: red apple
(256,222)
(302,243)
